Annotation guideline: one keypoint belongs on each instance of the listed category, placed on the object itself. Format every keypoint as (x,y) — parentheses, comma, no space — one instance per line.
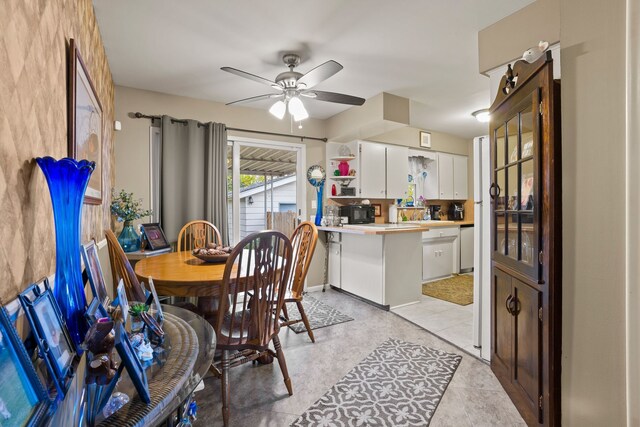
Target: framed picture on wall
(425,139)
(84,114)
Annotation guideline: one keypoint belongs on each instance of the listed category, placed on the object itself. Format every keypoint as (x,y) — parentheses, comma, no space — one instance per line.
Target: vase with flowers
(127,209)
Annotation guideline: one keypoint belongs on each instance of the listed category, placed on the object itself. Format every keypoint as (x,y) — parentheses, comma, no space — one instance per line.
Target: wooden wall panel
(34,37)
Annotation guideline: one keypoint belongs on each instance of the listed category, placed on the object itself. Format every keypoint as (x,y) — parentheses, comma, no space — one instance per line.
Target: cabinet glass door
(514,187)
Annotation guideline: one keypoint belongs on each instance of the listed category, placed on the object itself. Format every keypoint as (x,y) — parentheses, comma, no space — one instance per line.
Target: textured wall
(34,37)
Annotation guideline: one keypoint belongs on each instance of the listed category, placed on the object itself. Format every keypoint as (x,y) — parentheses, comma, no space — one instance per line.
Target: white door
(372,170)
(445,176)
(460,165)
(397,171)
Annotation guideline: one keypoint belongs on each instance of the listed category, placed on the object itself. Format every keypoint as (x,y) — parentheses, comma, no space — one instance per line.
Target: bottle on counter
(393,213)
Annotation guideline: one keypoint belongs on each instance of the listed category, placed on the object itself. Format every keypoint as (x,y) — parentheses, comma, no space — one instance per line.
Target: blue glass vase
(128,238)
(67,180)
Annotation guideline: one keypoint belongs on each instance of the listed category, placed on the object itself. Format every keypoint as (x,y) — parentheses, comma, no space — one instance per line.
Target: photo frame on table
(155,236)
(96,278)
(84,113)
(425,139)
(23,398)
(377,207)
(153,299)
(122,301)
(50,332)
(131,362)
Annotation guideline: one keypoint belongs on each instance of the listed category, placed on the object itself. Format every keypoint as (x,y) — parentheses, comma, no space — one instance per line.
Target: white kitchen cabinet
(466,249)
(372,165)
(383,171)
(452,177)
(397,171)
(440,252)
(445,176)
(335,264)
(460,177)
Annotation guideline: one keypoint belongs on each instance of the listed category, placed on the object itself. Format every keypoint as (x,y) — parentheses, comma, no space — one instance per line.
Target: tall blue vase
(67,180)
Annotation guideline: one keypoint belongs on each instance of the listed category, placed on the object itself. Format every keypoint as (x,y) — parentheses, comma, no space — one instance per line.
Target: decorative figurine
(100,341)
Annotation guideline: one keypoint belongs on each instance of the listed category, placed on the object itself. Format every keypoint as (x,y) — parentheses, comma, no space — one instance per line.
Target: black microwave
(359,214)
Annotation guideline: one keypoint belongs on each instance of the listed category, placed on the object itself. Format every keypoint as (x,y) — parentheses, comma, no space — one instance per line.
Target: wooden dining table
(180,274)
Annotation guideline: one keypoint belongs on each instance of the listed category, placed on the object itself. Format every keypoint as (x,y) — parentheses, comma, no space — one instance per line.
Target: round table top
(181,274)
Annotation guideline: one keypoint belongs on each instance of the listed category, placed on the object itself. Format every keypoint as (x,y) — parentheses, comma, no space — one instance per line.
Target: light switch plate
(314,204)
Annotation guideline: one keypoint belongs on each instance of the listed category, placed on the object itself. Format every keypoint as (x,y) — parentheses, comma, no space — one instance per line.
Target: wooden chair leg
(225,387)
(285,313)
(305,320)
(283,364)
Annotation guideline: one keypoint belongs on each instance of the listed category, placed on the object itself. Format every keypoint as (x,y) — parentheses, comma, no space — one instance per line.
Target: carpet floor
(399,384)
(457,289)
(320,315)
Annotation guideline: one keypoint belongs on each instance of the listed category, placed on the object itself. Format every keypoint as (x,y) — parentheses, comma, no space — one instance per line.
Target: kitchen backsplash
(410,213)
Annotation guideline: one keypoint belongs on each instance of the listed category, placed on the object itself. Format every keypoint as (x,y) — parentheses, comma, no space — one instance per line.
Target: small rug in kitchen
(457,289)
(399,384)
(320,315)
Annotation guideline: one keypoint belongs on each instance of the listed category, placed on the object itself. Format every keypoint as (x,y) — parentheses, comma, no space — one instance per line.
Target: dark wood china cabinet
(526,217)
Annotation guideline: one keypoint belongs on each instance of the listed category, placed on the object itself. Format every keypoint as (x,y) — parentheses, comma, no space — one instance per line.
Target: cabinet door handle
(507,304)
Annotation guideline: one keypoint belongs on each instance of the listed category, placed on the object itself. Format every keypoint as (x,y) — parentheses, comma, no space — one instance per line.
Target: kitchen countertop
(404,227)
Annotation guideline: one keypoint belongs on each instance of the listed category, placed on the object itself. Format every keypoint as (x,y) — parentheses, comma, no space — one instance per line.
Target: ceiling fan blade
(319,74)
(256,98)
(339,98)
(251,77)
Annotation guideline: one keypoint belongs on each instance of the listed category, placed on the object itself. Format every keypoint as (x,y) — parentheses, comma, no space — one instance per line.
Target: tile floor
(447,320)
(259,397)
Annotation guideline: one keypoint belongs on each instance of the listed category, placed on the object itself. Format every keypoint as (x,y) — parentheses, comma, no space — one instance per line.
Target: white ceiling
(425,50)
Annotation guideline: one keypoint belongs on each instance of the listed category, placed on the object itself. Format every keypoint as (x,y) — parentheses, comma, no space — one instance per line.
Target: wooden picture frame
(85,121)
(425,139)
(377,209)
(24,400)
(155,236)
(50,332)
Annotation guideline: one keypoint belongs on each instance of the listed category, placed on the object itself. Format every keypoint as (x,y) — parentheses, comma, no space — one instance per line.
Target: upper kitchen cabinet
(383,170)
(452,177)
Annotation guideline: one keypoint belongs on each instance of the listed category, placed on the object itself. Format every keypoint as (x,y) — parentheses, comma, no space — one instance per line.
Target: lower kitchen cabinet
(382,268)
(440,252)
(335,264)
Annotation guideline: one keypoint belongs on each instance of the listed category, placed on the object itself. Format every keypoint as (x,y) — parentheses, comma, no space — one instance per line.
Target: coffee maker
(435,212)
(456,211)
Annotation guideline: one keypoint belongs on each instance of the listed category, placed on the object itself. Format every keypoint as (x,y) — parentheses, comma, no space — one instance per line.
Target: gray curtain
(193,175)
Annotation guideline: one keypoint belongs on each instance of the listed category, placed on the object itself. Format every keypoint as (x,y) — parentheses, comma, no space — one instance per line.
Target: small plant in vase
(135,310)
(127,209)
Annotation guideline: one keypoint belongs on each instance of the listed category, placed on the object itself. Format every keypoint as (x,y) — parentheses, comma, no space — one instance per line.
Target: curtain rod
(261,132)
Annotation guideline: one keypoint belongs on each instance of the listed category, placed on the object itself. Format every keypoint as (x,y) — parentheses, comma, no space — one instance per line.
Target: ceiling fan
(291,85)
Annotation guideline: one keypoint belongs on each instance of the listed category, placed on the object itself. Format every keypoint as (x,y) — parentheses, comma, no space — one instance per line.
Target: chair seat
(289,296)
(242,336)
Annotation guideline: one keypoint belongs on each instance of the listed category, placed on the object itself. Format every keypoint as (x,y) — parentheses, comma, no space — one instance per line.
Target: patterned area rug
(399,384)
(320,315)
(457,289)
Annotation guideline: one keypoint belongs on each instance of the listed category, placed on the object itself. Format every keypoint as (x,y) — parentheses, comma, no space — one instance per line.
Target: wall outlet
(314,204)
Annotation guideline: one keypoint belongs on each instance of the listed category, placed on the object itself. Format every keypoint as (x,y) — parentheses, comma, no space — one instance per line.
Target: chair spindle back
(196,235)
(303,243)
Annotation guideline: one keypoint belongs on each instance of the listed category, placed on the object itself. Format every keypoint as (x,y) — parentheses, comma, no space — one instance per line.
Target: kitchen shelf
(343,177)
(343,158)
(343,197)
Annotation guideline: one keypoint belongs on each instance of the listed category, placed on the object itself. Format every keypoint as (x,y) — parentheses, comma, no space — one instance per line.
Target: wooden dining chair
(258,266)
(196,235)
(121,269)
(303,242)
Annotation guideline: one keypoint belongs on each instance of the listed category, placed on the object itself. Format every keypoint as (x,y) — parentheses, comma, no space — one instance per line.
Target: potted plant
(135,310)
(127,209)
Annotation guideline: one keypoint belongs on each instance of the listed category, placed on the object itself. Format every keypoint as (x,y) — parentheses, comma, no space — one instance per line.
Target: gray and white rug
(320,315)
(399,384)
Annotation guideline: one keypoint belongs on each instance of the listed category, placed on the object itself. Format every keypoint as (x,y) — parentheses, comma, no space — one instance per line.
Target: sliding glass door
(266,186)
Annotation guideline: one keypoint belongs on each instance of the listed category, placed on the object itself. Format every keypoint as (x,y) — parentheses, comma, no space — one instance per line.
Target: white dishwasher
(440,252)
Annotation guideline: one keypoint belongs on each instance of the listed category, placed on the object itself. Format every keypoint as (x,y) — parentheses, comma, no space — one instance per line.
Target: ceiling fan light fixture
(482,116)
(278,109)
(297,110)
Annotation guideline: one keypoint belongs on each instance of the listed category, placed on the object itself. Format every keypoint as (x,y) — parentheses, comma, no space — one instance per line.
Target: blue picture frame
(96,277)
(23,398)
(131,362)
(54,342)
